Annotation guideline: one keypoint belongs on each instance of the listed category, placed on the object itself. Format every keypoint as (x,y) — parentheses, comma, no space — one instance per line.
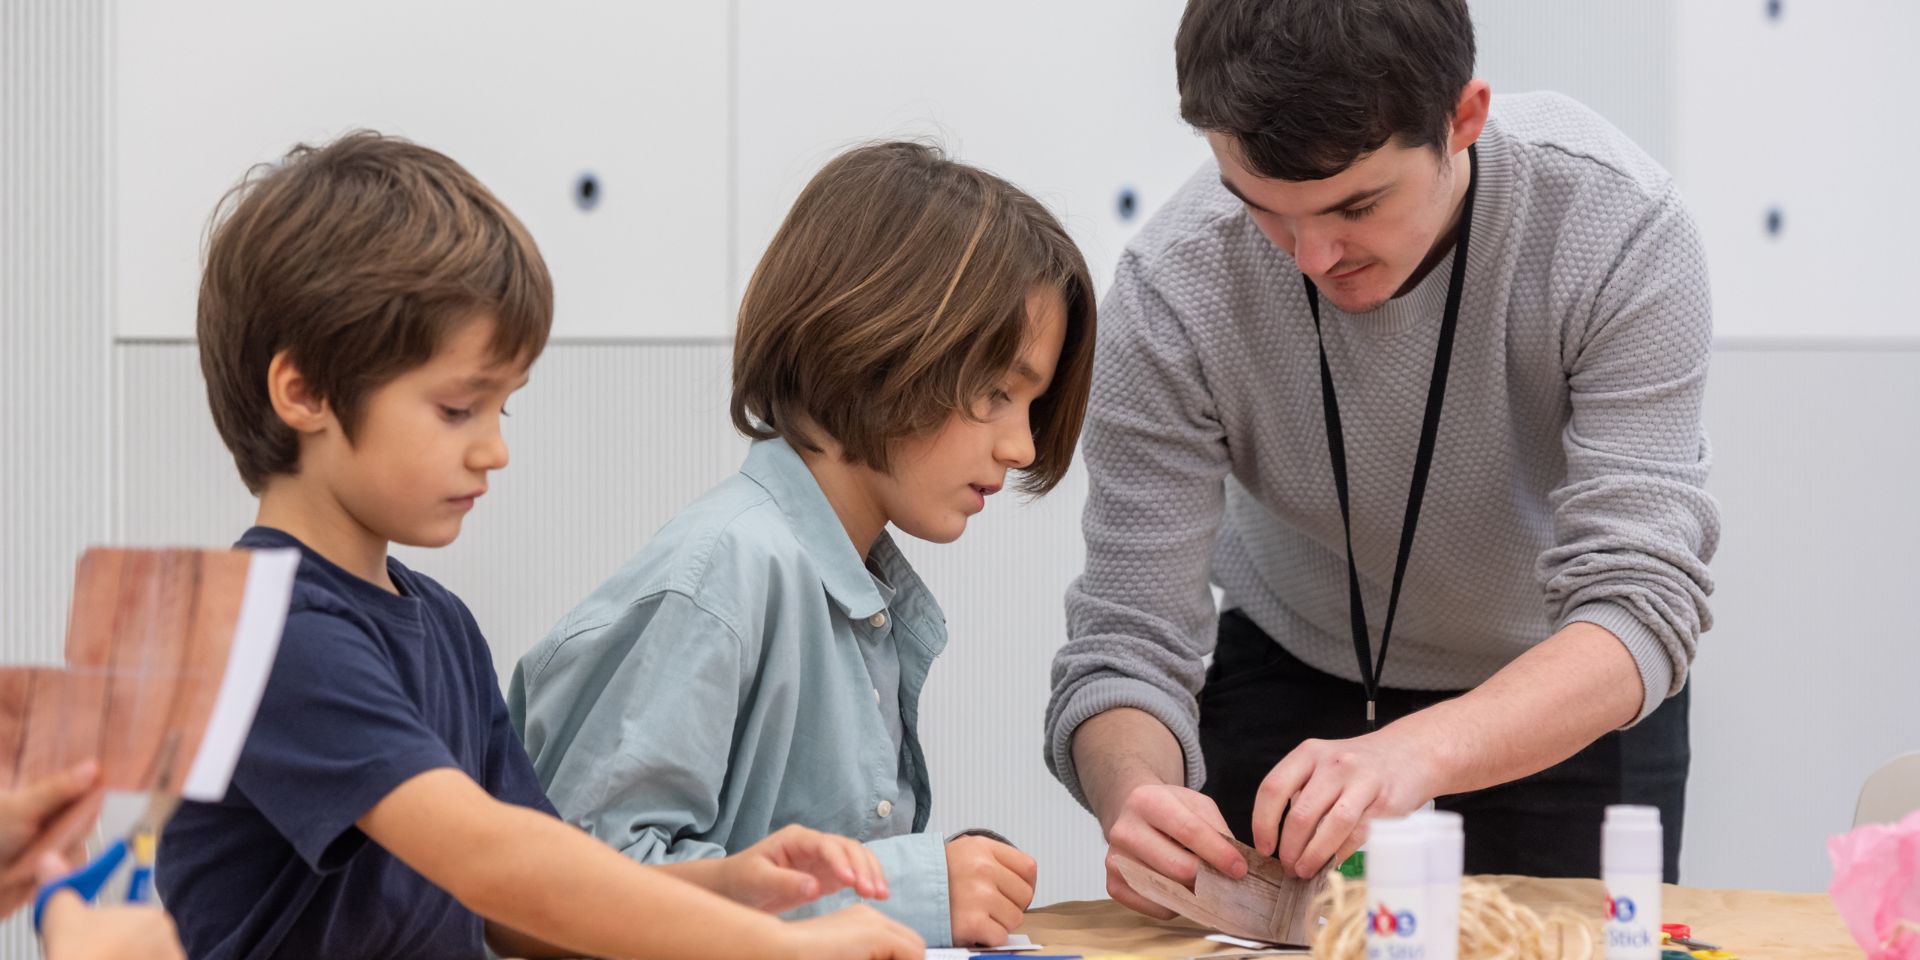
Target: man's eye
(1358,213)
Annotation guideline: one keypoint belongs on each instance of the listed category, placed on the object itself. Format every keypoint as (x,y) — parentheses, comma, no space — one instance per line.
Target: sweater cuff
(1110,692)
(1649,654)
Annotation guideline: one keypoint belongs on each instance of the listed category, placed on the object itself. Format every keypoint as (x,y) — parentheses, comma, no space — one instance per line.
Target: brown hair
(894,297)
(1307,87)
(357,258)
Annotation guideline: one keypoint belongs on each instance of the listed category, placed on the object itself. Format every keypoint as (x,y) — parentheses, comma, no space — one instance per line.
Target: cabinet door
(1795,151)
(1073,101)
(531,97)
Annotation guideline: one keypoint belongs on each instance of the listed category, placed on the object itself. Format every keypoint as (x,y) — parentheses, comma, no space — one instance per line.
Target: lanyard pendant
(1372,724)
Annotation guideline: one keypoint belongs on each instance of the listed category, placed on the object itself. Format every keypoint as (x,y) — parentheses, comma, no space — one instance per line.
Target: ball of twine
(1492,926)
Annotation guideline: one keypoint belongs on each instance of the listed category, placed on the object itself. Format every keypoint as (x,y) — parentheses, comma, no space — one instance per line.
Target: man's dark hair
(1307,87)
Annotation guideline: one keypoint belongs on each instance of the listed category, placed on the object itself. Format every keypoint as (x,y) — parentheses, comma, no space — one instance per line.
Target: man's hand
(1335,787)
(857,933)
(796,865)
(1170,830)
(989,886)
(73,931)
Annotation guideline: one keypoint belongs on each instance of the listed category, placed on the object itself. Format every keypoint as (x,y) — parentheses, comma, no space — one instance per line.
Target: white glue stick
(1446,860)
(1631,863)
(1396,890)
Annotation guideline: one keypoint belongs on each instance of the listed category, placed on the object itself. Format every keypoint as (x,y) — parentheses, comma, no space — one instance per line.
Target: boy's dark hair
(357,258)
(894,296)
(1307,87)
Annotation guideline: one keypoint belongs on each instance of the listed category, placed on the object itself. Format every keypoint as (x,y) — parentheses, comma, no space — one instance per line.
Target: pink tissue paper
(1876,887)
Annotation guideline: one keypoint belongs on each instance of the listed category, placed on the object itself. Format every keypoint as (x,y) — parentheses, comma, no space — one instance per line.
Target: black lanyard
(1370,669)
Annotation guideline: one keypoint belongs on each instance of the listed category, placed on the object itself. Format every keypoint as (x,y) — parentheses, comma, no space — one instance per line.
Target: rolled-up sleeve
(1141,616)
(915,865)
(1634,527)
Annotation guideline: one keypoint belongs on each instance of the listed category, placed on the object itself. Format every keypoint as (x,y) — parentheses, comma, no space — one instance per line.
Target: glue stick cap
(1631,841)
(1446,844)
(1396,852)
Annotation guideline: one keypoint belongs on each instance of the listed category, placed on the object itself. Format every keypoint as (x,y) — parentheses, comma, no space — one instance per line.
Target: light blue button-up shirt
(743,672)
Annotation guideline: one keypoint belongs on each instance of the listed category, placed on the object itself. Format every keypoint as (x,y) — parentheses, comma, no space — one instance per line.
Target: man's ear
(293,397)
(1469,115)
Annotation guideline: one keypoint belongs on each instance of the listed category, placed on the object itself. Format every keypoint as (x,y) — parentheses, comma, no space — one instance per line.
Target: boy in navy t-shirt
(365,311)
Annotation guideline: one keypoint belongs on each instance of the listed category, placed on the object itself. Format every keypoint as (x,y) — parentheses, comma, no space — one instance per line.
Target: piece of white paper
(1233,941)
(256,640)
(1016,943)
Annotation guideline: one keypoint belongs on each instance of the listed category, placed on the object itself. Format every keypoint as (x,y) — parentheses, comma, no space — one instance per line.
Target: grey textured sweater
(1567,476)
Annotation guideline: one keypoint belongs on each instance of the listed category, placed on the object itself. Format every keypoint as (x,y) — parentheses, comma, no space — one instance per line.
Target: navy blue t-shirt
(369,689)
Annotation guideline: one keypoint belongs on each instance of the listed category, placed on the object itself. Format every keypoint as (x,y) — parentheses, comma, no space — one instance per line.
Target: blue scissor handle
(139,884)
(87,881)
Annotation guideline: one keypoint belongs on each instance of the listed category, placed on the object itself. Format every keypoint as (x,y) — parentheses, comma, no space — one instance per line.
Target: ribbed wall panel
(607,442)
(1617,58)
(54,324)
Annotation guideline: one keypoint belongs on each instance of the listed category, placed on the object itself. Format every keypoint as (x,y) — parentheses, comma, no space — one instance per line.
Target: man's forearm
(1121,749)
(1550,703)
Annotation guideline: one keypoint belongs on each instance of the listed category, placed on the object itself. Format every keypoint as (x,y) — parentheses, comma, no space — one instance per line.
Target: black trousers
(1260,702)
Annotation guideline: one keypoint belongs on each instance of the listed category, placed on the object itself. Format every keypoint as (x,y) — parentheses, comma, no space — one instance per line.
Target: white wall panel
(1807,680)
(1808,114)
(1614,57)
(528,96)
(1072,101)
(54,325)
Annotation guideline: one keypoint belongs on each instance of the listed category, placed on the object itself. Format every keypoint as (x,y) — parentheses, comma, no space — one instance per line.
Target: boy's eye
(1359,213)
(454,414)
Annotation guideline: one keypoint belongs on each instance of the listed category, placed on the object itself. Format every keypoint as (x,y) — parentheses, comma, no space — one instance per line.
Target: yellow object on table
(1754,924)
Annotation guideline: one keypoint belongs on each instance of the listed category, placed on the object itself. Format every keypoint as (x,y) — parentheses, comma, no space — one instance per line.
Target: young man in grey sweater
(1405,357)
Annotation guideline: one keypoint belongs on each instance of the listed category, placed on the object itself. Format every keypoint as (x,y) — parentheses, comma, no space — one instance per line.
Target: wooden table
(1756,925)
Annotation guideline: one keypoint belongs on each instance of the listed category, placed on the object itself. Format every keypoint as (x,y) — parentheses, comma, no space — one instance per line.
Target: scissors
(142,842)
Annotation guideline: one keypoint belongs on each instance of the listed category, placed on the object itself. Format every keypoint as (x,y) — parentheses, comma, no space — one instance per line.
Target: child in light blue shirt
(917,333)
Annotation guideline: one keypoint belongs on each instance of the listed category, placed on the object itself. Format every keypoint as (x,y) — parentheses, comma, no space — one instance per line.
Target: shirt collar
(777,468)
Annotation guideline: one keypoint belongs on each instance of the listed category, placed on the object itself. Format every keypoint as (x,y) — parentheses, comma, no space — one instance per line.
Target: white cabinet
(528,96)
(1809,113)
(1072,101)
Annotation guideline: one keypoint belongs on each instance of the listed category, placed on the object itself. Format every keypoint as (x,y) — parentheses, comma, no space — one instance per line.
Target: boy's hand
(795,865)
(989,885)
(857,933)
(73,931)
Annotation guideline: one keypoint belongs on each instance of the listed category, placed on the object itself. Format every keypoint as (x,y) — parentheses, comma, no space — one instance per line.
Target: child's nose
(1016,448)
(489,454)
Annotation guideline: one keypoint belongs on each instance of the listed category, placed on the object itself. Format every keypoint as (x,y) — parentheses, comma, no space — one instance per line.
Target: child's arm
(792,866)
(535,875)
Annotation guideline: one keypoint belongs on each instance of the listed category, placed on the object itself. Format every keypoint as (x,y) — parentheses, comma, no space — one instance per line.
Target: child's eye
(1359,213)
(454,414)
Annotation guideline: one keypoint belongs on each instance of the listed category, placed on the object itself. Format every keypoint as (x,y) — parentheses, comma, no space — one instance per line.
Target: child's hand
(71,930)
(857,933)
(50,815)
(796,865)
(989,885)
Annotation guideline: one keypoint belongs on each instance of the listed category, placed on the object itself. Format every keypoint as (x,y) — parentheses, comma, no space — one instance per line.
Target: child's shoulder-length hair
(894,296)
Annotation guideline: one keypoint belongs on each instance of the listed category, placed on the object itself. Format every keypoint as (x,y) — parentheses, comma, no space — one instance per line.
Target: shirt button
(885,809)
(878,620)
(876,696)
